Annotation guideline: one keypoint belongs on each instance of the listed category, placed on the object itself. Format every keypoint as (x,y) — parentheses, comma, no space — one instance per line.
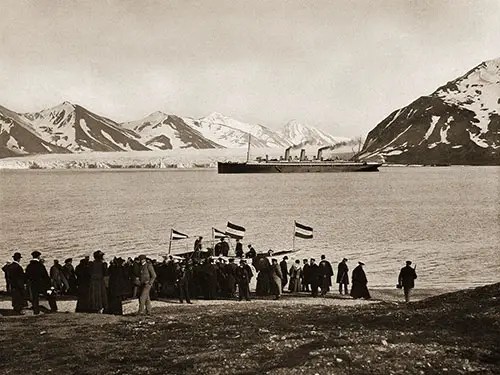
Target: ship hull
(298,167)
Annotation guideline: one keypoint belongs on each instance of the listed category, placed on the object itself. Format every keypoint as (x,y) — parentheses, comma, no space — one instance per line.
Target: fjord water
(445,219)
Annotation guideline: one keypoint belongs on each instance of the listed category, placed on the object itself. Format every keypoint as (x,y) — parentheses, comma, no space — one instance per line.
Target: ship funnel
(287,153)
(302,154)
(320,152)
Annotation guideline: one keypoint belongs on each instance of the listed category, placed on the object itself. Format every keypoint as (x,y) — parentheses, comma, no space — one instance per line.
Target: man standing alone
(343,276)
(406,279)
(147,277)
(16,278)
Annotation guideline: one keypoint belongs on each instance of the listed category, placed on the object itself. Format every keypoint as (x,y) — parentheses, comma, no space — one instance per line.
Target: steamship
(287,164)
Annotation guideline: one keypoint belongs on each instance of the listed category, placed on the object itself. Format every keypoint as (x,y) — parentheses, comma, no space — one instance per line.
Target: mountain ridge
(69,127)
(459,123)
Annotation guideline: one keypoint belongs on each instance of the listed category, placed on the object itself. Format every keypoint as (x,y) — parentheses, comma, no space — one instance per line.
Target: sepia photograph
(250,187)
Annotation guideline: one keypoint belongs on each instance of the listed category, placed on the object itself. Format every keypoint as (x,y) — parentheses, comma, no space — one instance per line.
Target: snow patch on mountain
(457,124)
(300,134)
(477,91)
(232,133)
(432,126)
(163,131)
(54,124)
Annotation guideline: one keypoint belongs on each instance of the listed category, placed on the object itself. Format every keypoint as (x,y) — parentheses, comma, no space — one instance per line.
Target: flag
(178,235)
(217,234)
(303,231)
(235,231)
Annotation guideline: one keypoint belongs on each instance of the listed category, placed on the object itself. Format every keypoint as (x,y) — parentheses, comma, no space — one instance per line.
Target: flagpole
(293,241)
(170,242)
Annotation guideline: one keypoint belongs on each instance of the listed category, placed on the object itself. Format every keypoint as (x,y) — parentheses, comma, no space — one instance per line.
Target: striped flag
(303,231)
(175,235)
(217,234)
(235,231)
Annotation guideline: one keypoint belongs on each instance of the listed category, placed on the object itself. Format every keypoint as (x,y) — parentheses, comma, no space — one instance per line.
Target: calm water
(444,219)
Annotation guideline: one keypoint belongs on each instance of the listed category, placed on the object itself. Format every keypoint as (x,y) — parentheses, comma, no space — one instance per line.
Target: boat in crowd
(287,164)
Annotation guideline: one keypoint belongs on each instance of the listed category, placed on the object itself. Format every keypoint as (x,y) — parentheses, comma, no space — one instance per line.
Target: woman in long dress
(98,270)
(295,276)
(118,286)
(359,283)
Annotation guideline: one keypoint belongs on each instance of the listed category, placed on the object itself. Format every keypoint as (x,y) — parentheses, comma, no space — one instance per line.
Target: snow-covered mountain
(18,138)
(70,128)
(300,134)
(161,131)
(77,129)
(457,124)
(231,133)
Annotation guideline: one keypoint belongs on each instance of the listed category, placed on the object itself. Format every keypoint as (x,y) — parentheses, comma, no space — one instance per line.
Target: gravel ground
(453,333)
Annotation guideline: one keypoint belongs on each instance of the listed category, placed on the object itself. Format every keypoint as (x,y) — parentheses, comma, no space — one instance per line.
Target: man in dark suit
(239,249)
(406,279)
(306,275)
(16,278)
(38,281)
(326,273)
(343,276)
(315,277)
(243,277)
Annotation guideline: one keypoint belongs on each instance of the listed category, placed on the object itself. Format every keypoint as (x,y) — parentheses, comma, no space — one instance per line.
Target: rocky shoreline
(452,333)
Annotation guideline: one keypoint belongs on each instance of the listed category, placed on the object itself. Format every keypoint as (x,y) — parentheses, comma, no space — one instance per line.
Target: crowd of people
(101,288)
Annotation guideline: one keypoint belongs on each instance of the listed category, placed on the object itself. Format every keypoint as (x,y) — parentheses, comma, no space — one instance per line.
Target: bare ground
(454,333)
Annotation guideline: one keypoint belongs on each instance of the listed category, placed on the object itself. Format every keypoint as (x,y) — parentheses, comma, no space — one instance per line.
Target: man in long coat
(16,279)
(239,249)
(230,270)
(359,283)
(326,273)
(38,281)
(406,279)
(284,272)
(276,278)
(343,276)
(314,277)
(306,275)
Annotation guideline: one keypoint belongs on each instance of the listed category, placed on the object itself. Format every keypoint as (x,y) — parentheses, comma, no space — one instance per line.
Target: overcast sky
(340,65)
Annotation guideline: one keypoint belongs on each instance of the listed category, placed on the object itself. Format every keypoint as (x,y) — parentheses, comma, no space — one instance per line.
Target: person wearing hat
(314,277)
(183,279)
(147,276)
(16,279)
(343,276)
(99,277)
(251,253)
(406,279)
(38,281)
(284,272)
(275,277)
(359,283)
(243,277)
(70,275)
(306,275)
(326,273)
(239,249)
